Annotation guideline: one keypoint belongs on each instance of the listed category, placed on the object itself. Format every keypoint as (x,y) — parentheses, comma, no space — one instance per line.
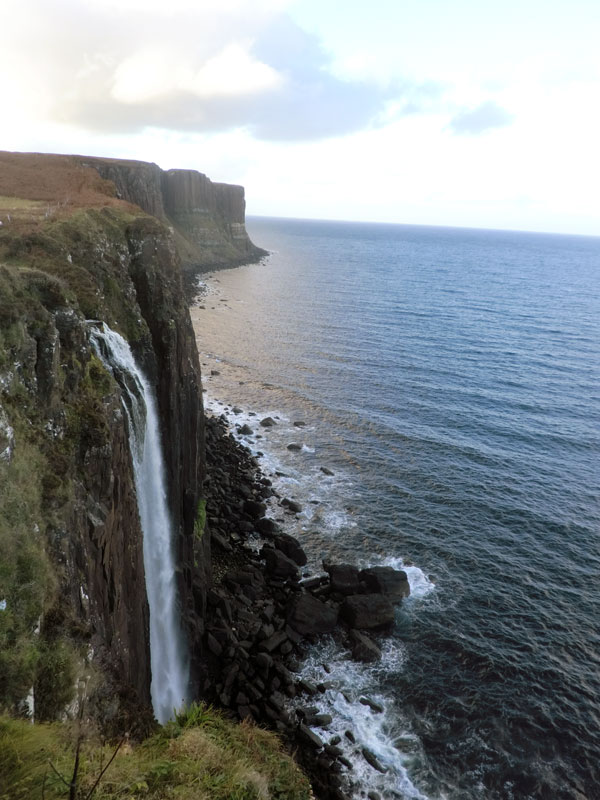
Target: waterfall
(169,658)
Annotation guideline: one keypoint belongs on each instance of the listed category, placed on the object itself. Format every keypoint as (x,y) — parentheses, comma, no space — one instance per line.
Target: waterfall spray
(168,651)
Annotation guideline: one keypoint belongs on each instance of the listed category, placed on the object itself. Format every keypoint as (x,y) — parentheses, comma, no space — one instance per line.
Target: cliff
(72,586)
(207,219)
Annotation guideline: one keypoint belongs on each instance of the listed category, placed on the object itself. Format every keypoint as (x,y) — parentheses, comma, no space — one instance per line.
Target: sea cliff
(87,243)
(72,251)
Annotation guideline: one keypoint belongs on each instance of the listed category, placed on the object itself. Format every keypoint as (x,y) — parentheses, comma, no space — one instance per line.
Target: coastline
(319,693)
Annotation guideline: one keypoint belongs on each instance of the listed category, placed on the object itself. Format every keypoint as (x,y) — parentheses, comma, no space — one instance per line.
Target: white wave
(420,584)
(384,734)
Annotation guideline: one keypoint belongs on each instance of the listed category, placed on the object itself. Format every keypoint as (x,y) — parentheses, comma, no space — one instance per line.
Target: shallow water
(450,380)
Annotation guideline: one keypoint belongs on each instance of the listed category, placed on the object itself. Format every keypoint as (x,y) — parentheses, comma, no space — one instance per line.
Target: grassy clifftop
(199,756)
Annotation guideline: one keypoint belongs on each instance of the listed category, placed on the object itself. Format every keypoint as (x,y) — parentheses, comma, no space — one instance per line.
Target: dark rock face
(309,615)
(208,218)
(344,578)
(386,580)
(368,611)
(363,648)
(113,263)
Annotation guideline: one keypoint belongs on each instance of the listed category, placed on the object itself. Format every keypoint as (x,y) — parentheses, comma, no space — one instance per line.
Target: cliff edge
(208,220)
(72,583)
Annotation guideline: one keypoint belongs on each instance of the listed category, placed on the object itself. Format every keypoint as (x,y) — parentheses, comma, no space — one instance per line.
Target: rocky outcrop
(208,219)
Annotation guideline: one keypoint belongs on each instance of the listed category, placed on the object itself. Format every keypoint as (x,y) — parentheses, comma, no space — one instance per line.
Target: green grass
(200,756)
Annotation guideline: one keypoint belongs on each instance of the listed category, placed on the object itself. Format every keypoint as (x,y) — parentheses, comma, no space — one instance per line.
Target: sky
(472,113)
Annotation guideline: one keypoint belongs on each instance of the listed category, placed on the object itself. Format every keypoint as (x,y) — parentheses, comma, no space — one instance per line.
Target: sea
(449,379)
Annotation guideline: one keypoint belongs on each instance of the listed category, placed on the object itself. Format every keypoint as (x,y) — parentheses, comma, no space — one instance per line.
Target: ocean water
(450,379)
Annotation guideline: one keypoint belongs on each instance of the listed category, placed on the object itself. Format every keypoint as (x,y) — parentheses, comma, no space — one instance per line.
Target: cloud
(120,68)
(484,117)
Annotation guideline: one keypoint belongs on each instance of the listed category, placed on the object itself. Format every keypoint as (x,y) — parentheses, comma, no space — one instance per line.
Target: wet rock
(273,642)
(299,423)
(214,372)
(291,505)
(326,471)
(290,547)
(344,578)
(254,508)
(294,446)
(368,611)
(309,615)
(376,707)
(268,422)
(363,648)
(372,759)
(308,737)
(245,430)
(213,645)
(278,564)
(266,526)
(386,580)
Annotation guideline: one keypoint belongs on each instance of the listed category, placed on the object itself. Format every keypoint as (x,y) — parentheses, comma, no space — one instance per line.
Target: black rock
(386,580)
(266,526)
(245,430)
(299,424)
(326,471)
(294,446)
(376,707)
(278,564)
(363,648)
(267,422)
(306,736)
(254,509)
(368,611)
(372,759)
(309,615)
(344,578)
(291,505)
(273,642)
(290,547)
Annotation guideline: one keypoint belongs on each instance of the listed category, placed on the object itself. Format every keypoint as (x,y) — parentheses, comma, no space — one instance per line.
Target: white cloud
(484,117)
(126,67)
(151,74)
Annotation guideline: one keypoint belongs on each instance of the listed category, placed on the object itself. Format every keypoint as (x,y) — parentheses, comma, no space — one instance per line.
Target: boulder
(344,578)
(368,611)
(372,759)
(386,580)
(268,422)
(291,505)
(254,509)
(278,564)
(309,615)
(266,526)
(308,737)
(290,546)
(245,430)
(363,648)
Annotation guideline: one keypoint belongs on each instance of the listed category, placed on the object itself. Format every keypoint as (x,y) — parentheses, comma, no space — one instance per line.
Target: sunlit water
(450,380)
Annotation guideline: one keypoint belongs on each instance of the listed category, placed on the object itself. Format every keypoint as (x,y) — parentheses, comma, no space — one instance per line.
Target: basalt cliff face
(72,586)
(207,219)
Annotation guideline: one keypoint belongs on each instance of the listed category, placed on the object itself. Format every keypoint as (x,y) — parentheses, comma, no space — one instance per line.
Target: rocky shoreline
(266,609)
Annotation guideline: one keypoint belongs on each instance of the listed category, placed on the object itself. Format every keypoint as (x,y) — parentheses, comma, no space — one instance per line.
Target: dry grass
(200,757)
